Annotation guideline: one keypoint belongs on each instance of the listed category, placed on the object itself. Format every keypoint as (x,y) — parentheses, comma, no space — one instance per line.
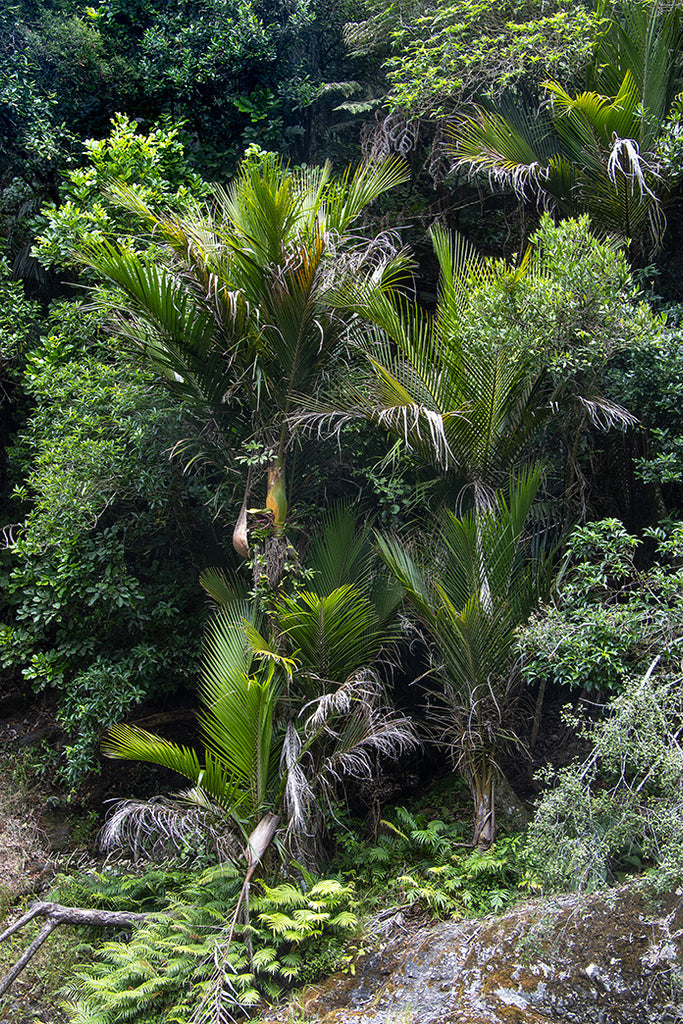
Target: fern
(167,971)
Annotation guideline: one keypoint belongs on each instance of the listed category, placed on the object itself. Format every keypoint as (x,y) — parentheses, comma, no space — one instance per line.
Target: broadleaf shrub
(623,807)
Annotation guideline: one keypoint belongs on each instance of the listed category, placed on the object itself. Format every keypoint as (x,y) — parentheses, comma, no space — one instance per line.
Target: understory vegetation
(341,504)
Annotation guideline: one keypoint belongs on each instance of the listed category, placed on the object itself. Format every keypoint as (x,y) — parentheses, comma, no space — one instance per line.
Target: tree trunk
(270,561)
(483,786)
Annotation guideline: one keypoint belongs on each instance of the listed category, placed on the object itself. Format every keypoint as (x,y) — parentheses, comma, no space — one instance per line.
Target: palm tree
(478,586)
(233,303)
(595,152)
(435,385)
(579,153)
(235,783)
(468,386)
(645,39)
(282,731)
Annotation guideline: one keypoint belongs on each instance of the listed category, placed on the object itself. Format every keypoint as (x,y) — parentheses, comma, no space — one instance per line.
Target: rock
(612,958)
(509,808)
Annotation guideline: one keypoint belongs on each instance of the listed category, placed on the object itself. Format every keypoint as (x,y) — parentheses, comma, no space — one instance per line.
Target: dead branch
(57,914)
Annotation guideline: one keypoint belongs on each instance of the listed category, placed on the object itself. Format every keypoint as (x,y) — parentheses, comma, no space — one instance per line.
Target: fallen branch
(57,914)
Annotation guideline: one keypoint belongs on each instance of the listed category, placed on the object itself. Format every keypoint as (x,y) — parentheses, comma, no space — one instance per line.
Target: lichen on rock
(608,958)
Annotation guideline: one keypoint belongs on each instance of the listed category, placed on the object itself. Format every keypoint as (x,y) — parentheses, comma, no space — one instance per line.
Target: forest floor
(46,832)
(27,866)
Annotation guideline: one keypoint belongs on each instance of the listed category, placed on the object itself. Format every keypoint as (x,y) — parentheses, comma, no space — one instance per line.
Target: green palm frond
(342,553)
(479,589)
(224,587)
(502,149)
(589,117)
(345,200)
(460,270)
(238,708)
(131,743)
(332,635)
(596,154)
(154,291)
(413,580)
(644,39)
(264,207)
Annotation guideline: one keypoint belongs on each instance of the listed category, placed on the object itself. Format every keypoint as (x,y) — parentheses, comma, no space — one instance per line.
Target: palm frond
(644,39)
(332,635)
(298,795)
(224,587)
(489,142)
(342,553)
(237,716)
(345,200)
(159,828)
(479,588)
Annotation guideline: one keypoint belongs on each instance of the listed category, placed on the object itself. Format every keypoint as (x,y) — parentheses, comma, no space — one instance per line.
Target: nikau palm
(465,409)
(233,303)
(468,386)
(580,153)
(281,732)
(595,152)
(479,585)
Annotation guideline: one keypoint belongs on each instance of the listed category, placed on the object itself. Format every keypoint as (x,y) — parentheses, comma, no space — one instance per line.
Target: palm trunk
(275,551)
(483,787)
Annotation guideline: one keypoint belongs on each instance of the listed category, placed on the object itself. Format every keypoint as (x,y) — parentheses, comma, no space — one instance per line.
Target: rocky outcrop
(613,958)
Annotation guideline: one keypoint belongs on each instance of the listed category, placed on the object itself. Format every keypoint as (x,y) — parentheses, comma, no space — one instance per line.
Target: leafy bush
(102,601)
(649,380)
(460,50)
(622,809)
(608,618)
(154,162)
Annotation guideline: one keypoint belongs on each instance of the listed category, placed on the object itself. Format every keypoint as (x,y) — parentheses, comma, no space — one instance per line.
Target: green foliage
(423,863)
(288,712)
(596,151)
(460,51)
(234,71)
(608,619)
(168,970)
(506,351)
(113,890)
(93,596)
(71,63)
(649,380)
(621,809)
(17,324)
(479,584)
(18,318)
(155,163)
(583,308)
(33,126)
(245,62)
